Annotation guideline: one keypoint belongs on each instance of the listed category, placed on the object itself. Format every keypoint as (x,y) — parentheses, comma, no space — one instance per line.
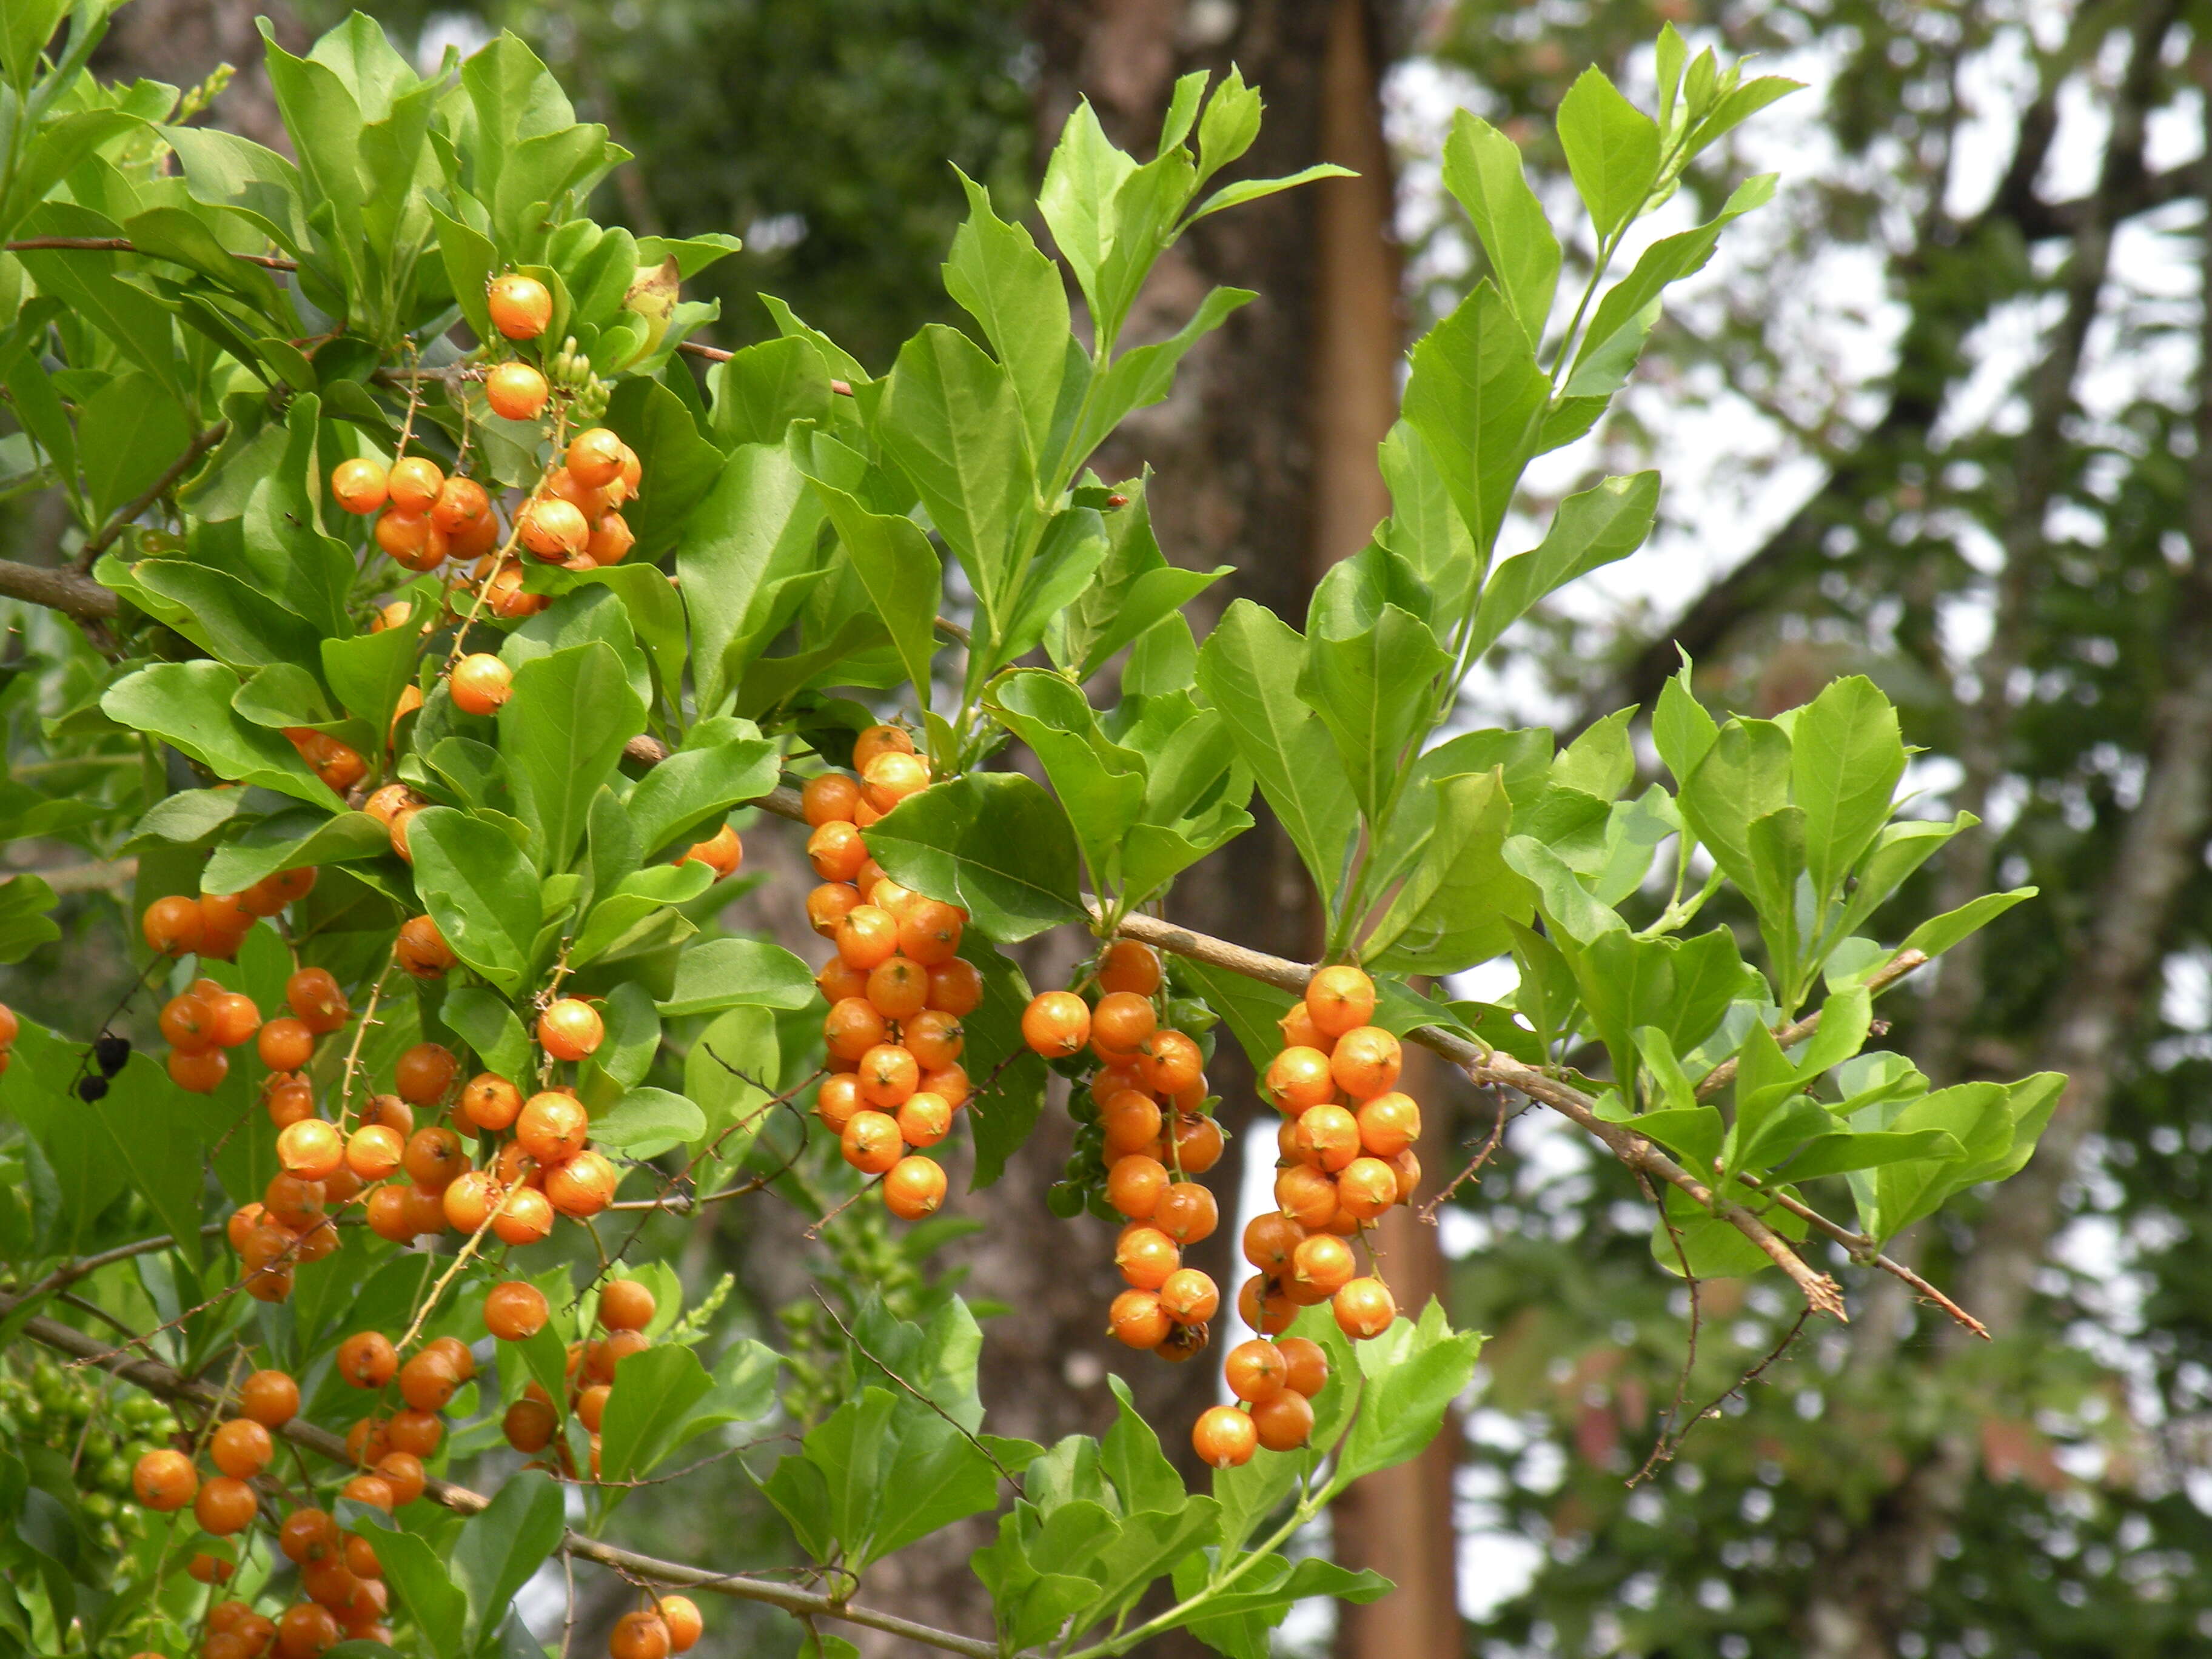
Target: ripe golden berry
(359,486)
(516,392)
(570,1029)
(520,306)
(914,1187)
(1137,1319)
(1056,1023)
(164,1480)
(1224,1438)
(480,683)
(1364,1309)
(269,1398)
(1129,965)
(1285,1421)
(1256,1370)
(1338,999)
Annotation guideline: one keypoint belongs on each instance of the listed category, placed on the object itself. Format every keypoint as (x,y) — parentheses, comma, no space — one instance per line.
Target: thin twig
(123,516)
(1734,1388)
(1659,1453)
(1005,1473)
(1428,1212)
(122,245)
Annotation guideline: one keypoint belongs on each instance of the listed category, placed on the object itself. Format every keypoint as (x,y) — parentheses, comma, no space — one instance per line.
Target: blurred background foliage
(1940,418)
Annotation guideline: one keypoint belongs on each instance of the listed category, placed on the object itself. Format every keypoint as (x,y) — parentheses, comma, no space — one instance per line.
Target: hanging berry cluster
(340,1580)
(1140,1095)
(897,988)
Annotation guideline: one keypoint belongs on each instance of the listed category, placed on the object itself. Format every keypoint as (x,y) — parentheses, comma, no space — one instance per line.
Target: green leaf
(1589,531)
(682,465)
(489,1026)
(1005,1107)
(1145,374)
(1482,169)
(1939,933)
(187,704)
(1846,760)
(1681,730)
(1249,670)
(74,1173)
(638,900)
(746,560)
(697,784)
(130,431)
(1251,1007)
(742,1040)
(562,732)
(997,275)
(24,923)
(1100,784)
(951,420)
(479,889)
(728,973)
(653,1393)
(293,840)
(898,568)
(499,1549)
(1373,690)
(368,672)
(1132,589)
(1252,190)
(762,389)
(1840,1154)
(1449,912)
(1625,317)
(1476,396)
(994,842)
(1611,148)
(421,1584)
(1411,1375)
(1744,776)
(647,1122)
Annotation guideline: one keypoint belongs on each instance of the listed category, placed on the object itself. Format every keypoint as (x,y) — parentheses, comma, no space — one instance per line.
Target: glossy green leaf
(500,1548)
(1611,148)
(726,973)
(993,842)
(480,891)
(1475,396)
(188,704)
(745,561)
(1590,529)
(1482,170)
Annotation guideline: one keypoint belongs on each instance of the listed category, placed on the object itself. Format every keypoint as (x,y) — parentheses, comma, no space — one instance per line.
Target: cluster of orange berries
(341,1581)
(1274,1381)
(1146,1130)
(1347,1151)
(516,1310)
(897,988)
(205,1020)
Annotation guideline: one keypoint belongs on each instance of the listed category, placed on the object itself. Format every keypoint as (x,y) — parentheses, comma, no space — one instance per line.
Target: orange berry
(1364,1062)
(639,1636)
(1146,1256)
(838,1098)
(188,1023)
(1256,1370)
(529,1425)
(898,987)
(241,1448)
(1135,1185)
(1285,1421)
(924,1119)
(520,306)
(1297,1079)
(570,1029)
(594,457)
(525,1218)
(491,1101)
(1056,1023)
(414,482)
(1224,1438)
(269,1398)
(1320,1266)
(469,1200)
(372,1489)
(681,1614)
(1187,1212)
(1137,1319)
(410,1431)
(934,1039)
(866,937)
(285,1045)
(516,392)
(1326,1137)
(1198,1143)
(1364,1309)
(1189,1297)
(1306,1194)
(552,1128)
(425,1073)
(428,1380)
(721,852)
(307,1536)
(1121,1021)
(870,1141)
(171,926)
(1131,1121)
(1170,1062)
(829,798)
(374,1152)
(956,988)
(583,1186)
(225,1506)
(311,1149)
(1306,1364)
(914,1188)
(1129,965)
(879,740)
(1339,1000)
(950,1081)
(358,486)
(1367,1187)
(892,776)
(852,1027)
(480,683)
(1268,1311)
(318,1002)
(625,1304)
(888,1075)
(367,1360)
